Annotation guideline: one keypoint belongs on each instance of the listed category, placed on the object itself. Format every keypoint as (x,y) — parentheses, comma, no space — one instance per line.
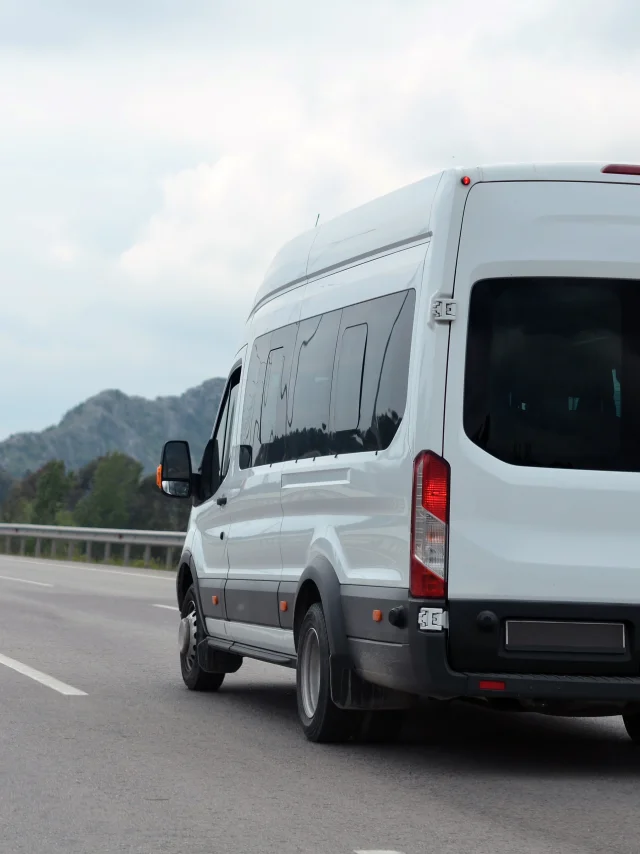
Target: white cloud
(147,181)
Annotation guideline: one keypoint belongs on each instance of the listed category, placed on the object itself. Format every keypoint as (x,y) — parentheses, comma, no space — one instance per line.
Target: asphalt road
(133,762)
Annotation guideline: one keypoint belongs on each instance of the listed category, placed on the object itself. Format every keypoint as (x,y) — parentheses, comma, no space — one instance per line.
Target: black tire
(325,722)
(632,726)
(193,676)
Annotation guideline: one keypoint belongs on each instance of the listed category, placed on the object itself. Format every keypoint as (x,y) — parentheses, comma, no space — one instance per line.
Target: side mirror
(174,475)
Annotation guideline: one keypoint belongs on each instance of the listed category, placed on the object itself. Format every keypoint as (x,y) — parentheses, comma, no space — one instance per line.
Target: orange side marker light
(377,616)
(215,600)
(284,605)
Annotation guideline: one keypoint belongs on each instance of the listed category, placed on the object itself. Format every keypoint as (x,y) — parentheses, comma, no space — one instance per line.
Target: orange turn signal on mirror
(159,477)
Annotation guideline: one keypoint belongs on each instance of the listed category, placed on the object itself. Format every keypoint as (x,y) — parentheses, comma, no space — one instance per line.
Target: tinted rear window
(553,372)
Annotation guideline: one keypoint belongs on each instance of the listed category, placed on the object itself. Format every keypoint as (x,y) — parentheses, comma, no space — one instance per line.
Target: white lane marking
(42,678)
(52,564)
(168,607)
(24,581)
(374,851)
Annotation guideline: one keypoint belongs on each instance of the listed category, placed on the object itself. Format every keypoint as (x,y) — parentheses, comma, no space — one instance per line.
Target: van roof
(399,218)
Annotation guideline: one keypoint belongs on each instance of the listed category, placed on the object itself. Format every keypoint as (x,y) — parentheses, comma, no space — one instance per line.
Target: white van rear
(424,478)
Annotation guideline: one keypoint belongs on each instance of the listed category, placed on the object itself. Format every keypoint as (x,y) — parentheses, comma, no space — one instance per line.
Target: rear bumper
(435,678)
(422,665)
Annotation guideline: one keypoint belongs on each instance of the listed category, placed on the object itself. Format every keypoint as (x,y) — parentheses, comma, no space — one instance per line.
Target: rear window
(553,372)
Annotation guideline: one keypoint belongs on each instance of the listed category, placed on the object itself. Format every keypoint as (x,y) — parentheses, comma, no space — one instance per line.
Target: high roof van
(423,480)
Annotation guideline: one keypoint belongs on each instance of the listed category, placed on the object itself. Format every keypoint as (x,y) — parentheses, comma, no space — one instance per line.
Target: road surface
(102,749)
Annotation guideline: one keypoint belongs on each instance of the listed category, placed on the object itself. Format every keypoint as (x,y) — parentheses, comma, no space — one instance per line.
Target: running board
(216,649)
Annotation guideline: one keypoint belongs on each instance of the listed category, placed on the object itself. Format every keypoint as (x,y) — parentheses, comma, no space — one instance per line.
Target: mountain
(113,421)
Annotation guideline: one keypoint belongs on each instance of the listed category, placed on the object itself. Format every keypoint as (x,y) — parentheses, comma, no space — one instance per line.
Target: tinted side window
(266,397)
(395,346)
(252,406)
(226,454)
(346,400)
(552,372)
(308,418)
(379,363)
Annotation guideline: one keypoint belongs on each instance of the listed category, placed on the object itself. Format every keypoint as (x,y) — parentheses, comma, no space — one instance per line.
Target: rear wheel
(190,633)
(321,719)
(632,725)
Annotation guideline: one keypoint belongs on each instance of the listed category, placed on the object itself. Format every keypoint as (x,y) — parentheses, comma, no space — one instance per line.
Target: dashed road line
(168,607)
(42,678)
(51,564)
(24,581)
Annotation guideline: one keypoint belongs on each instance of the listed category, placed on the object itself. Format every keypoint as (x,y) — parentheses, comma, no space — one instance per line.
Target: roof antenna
(317,219)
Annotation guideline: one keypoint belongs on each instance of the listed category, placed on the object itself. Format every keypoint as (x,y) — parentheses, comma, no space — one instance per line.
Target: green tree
(113,492)
(52,490)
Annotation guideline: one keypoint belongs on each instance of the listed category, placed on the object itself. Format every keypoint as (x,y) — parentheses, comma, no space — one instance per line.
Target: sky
(155,154)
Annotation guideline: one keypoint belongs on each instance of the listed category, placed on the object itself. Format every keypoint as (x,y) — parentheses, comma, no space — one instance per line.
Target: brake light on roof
(429,526)
(621,169)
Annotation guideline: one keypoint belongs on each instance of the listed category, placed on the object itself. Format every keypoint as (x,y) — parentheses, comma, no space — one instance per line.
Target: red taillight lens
(490,685)
(429,527)
(621,169)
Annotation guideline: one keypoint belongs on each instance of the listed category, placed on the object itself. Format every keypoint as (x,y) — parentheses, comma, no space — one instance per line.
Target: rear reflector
(486,685)
(621,169)
(429,526)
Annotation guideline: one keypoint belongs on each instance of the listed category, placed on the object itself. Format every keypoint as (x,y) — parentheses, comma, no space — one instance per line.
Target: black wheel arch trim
(348,689)
(324,577)
(186,560)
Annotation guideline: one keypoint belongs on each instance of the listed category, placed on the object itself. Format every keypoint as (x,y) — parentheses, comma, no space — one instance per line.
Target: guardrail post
(7,545)
(87,550)
(127,554)
(169,562)
(54,548)
(23,546)
(70,549)
(37,550)
(107,552)
(147,555)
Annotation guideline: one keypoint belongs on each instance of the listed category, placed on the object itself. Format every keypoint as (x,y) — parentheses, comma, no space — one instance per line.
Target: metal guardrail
(54,534)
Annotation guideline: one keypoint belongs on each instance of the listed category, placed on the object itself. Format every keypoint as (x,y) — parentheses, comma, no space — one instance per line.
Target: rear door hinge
(443,310)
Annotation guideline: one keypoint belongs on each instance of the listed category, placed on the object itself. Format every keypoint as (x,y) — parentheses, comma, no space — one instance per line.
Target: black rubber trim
(252,601)
(477,638)
(434,677)
(241,649)
(210,587)
(287,594)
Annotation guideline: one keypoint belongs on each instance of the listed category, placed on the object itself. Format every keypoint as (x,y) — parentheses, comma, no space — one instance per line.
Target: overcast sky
(154,154)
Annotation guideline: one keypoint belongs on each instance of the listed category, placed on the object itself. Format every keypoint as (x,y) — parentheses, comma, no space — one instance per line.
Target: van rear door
(542,427)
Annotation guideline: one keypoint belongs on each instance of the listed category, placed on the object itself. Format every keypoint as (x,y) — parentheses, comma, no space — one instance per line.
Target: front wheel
(189,635)
(321,719)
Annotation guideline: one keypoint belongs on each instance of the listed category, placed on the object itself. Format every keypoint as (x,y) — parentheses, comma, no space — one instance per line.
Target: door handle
(221,501)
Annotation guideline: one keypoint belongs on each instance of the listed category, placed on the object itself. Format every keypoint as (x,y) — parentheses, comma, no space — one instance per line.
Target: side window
(251,409)
(269,410)
(215,463)
(266,397)
(231,418)
(346,398)
(372,372)
(308,420)
(391,393)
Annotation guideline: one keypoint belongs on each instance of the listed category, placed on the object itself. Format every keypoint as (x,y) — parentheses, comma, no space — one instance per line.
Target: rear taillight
(429,526)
